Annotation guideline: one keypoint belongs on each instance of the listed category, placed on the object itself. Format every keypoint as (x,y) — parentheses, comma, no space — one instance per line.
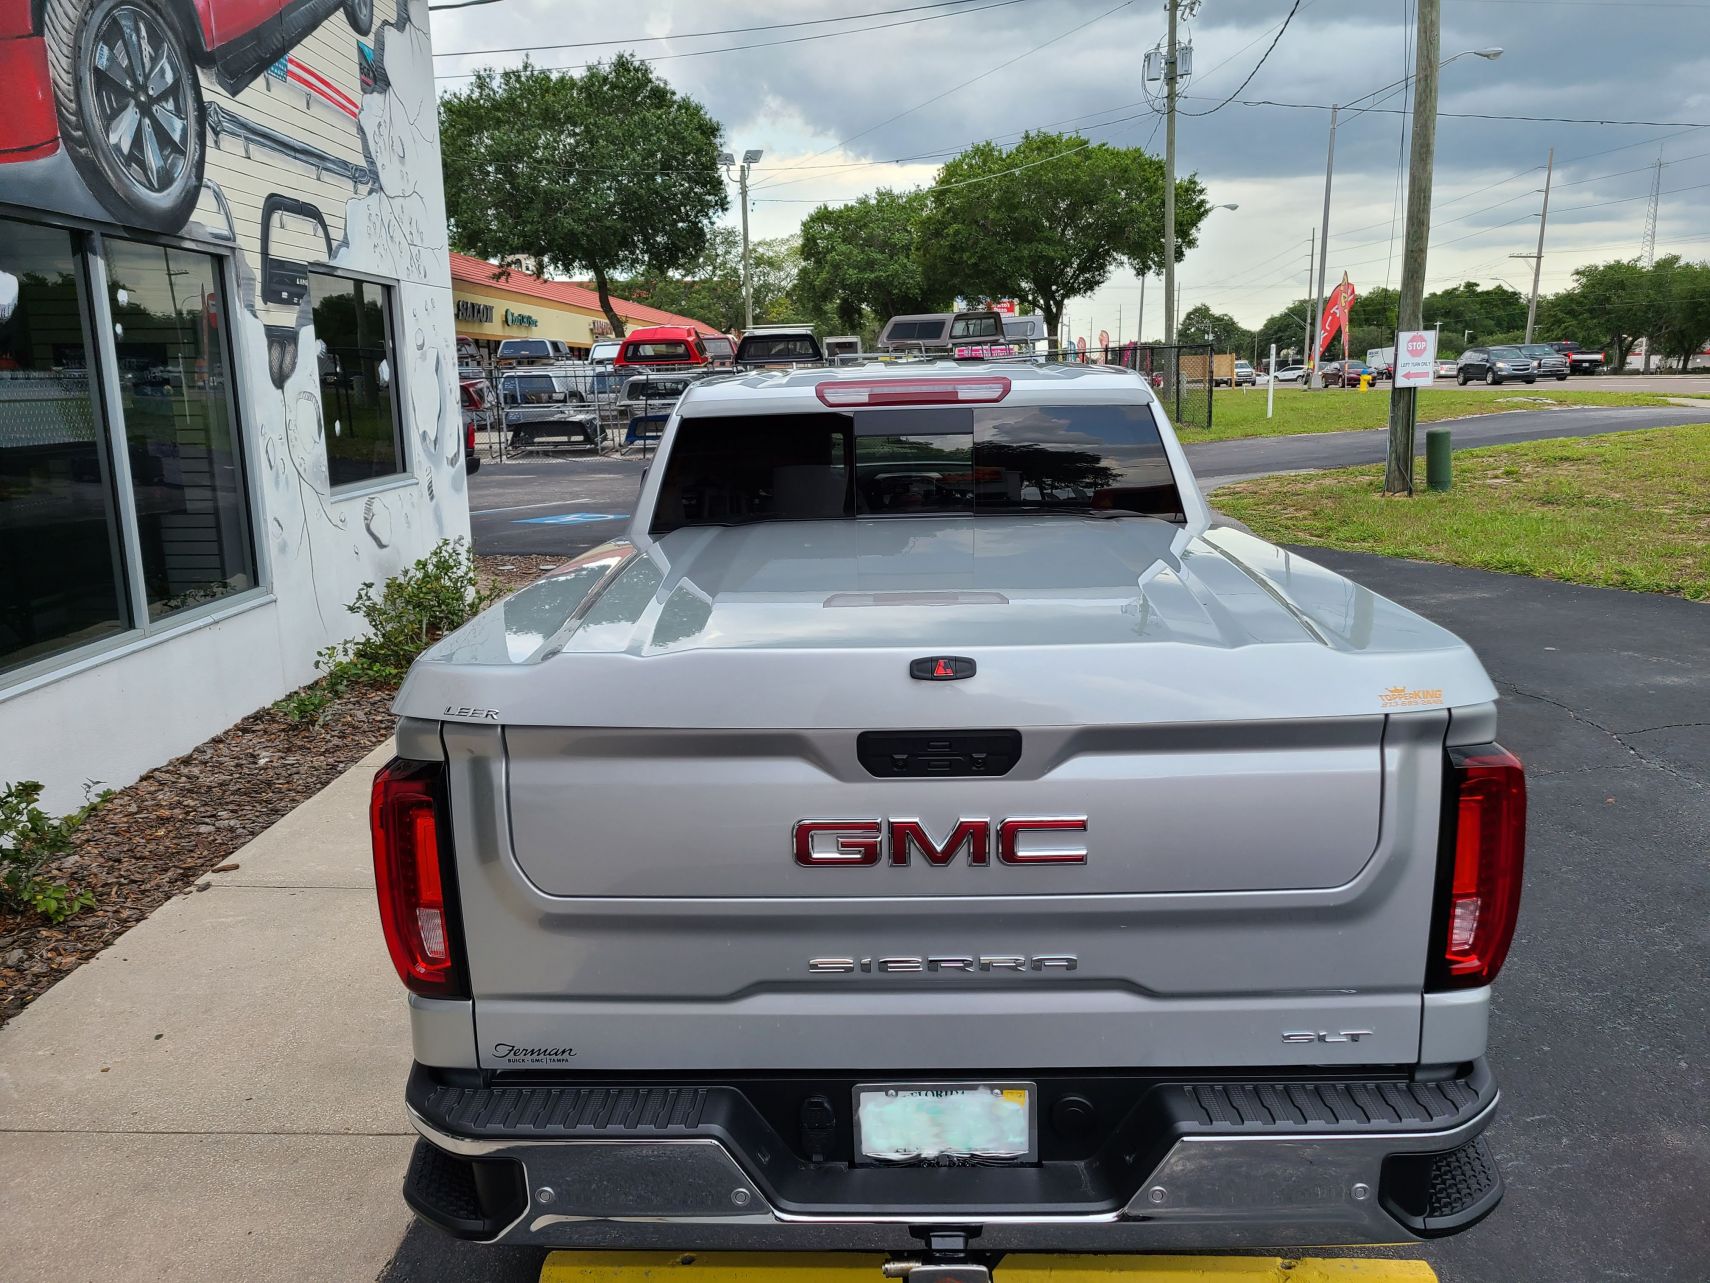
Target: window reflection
(181,438)
(352,329)
(61,583)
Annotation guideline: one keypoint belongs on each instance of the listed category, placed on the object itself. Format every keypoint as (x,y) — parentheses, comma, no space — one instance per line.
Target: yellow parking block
(822,1267)
(1207,1269)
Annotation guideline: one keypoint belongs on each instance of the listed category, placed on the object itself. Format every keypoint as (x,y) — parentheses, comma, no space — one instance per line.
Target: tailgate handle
(912,754)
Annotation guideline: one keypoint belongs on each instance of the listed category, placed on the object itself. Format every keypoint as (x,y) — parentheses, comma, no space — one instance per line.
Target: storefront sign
(519,318)
(470,310)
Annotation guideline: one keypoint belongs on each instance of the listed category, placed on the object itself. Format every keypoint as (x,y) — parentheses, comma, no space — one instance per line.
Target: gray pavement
(1599,1033)
(562,506)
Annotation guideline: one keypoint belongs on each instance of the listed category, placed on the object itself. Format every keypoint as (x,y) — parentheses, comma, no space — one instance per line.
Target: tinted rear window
(525,347)
(916,461)
(976,327)
(658,352)
(536,390)
(928,331)
(780,348)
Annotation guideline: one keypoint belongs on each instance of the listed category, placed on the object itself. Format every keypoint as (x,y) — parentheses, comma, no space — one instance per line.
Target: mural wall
(290,135)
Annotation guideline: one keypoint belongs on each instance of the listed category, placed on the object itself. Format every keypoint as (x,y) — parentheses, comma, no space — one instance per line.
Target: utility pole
(1403,402)
(750,158)
(1323,255)
(1178,310)
(1140,321)
(1311,244)
(747,282)
(1538,258)
(1170,176)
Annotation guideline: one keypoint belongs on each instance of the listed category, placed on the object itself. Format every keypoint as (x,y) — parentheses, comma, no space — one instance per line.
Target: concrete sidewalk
(225,1077)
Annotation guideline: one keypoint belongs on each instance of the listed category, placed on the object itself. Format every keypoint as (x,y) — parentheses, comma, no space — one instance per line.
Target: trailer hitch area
(946,1259)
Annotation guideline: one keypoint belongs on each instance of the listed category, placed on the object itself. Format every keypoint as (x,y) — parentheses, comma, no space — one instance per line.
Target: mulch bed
(157,838)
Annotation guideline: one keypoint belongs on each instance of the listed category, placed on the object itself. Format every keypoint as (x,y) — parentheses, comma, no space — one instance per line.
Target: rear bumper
(1192,1164)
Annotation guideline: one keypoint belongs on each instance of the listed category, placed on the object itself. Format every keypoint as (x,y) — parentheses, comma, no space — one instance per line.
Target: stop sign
(1416,345)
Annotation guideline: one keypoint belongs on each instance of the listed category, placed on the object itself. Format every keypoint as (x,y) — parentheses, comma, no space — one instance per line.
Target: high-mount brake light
(843,394)
(1484,845)
(405,812)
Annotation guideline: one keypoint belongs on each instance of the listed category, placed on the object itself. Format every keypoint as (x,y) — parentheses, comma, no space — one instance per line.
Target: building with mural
(227,363)
(492,304)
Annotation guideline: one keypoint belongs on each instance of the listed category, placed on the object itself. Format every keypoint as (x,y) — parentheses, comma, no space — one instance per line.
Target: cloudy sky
(882,95)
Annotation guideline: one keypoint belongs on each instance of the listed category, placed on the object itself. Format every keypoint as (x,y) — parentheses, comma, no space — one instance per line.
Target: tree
(608,173)
(1680,295)
(710,288)
(1221,330)
(1610,304)
(1049,219)
(1287,329)
(1471,307)
(860,261)
(1378,307)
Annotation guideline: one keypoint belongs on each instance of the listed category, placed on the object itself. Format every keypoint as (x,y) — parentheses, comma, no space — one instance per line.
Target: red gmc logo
(863,843)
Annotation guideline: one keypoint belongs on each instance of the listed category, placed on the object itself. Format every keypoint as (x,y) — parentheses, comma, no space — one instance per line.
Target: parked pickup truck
(928,825)
(1580,361)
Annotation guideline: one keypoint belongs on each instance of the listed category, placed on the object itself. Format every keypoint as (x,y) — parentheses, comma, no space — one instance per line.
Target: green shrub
(405,615)
(412,610)
(30,840)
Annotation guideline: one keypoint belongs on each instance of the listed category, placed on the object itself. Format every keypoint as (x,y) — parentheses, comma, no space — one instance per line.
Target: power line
(1255,71)
(771,44)
(1478,115)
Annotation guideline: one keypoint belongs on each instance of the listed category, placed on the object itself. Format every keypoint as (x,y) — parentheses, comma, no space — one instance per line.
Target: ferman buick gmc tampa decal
(512,1054)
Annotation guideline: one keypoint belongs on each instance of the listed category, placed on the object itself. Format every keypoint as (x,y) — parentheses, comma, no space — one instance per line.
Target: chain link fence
(1180,373)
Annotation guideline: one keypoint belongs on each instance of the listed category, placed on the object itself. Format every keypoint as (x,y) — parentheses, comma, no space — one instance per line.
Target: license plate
(945,1122)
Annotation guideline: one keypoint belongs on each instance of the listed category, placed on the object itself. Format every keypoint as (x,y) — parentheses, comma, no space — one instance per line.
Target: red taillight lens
(405,813)
(1484,845)
(980,389)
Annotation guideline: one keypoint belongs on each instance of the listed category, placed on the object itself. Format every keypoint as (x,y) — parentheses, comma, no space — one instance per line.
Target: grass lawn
(1630,510)
(1240,412)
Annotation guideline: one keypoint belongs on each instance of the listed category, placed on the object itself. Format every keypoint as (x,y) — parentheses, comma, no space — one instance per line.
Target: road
(1598,1036)
(557,507)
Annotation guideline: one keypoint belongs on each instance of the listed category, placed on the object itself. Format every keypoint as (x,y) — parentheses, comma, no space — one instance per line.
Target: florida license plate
(945,1123)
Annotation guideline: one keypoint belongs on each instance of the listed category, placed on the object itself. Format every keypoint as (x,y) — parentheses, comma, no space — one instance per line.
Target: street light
(750,157)
(1489,54)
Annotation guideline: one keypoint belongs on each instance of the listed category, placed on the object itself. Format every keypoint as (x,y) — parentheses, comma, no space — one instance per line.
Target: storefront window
(61,578)
(353,333)
(185,462)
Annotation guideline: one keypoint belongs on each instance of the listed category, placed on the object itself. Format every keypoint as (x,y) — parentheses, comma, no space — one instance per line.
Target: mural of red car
(116,84)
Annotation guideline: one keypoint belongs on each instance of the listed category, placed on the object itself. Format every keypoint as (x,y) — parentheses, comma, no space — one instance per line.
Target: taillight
(968,390)
(406,813)
(1484,845)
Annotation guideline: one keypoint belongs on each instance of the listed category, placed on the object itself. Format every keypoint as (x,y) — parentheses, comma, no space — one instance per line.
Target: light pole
(1490,55)
(750,157)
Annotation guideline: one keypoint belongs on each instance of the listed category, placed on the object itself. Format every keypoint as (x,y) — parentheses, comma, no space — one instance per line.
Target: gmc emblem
(864,843)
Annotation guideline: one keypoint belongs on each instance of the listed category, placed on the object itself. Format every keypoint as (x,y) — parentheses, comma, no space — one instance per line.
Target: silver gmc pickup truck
(928,829)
